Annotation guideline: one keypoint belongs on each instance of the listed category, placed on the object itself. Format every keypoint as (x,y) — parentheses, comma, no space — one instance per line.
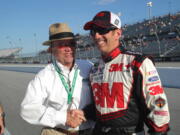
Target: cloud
(105,2)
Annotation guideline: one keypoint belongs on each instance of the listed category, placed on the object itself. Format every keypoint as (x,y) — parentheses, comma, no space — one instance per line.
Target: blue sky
(25,23)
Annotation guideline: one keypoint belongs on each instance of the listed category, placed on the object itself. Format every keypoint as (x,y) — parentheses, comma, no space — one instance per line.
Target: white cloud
(104,2)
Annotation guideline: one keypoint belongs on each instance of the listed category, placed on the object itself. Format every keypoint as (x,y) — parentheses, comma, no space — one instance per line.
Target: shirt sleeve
(35,108)
(158,116)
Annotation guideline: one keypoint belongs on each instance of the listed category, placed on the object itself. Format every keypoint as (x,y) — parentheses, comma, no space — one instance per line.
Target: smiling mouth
(68,54)
(100,42)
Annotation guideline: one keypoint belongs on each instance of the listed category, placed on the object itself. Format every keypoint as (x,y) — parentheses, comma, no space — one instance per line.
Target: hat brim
(89,25)
(49,42)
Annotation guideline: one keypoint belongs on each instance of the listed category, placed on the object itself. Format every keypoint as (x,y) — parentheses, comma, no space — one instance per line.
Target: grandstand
(158,37)
(9,53)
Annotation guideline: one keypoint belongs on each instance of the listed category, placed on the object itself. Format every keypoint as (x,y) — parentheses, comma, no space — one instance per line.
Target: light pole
(36,50)
(35,40)
(21,46)
(170,7)
(149,5)
(10,41)
(155,32)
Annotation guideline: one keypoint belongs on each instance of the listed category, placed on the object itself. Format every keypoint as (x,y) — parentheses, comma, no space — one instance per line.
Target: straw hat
(59,31)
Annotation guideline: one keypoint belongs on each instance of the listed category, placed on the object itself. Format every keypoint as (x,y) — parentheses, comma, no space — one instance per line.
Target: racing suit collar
(112,54)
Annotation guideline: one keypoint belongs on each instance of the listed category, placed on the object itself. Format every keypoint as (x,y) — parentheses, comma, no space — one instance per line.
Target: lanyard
(69,89)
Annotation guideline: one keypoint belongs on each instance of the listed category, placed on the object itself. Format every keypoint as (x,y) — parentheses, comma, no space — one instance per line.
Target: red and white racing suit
(128,93)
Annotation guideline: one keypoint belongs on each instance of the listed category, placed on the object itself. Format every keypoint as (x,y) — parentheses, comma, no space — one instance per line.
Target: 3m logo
(105,97)
(156,90)
(118,67)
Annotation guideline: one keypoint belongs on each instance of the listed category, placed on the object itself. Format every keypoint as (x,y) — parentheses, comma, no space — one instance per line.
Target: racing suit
(127,93)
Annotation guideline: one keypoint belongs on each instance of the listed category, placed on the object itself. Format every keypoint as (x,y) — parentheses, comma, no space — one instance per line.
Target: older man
(58,93)
(126,86)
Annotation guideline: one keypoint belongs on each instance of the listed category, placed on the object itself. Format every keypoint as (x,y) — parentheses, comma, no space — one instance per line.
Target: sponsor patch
(161,113)
(101,68)
(119,67)
(94,69)
(148,84)
(160,102)
(151,72)
(155,90)
(97,77)
(116,22)
(153,79)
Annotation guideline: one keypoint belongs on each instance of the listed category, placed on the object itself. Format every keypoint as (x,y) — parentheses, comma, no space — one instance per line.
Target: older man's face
(64,52)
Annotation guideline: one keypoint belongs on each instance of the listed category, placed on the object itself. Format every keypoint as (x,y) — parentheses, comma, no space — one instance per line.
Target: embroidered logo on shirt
(119,67)
(161,113)
(153,79)
(151,72)
(152,83)
(160,102)
(154,90)
(116,22)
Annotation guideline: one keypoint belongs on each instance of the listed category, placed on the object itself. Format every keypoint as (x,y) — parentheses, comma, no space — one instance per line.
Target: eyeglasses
(101,31)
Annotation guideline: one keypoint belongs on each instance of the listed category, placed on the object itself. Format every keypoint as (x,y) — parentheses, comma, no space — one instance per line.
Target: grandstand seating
(6,53)
(158,37)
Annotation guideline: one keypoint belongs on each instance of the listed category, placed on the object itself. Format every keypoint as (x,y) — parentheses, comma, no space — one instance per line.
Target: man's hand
(75,118)
(1,125)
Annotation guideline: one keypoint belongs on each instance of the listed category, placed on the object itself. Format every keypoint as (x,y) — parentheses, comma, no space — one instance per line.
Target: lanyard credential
(69,89)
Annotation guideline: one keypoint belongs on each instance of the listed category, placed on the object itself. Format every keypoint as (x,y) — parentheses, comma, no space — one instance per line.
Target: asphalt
(12,90)
(13,87)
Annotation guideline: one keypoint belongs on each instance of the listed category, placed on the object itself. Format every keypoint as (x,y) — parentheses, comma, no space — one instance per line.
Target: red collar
(111,55)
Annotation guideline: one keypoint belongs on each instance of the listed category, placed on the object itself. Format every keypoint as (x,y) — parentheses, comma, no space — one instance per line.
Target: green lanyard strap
(66,85)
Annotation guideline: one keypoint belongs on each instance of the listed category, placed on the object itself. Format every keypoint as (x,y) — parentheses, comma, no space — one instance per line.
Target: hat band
(61,35)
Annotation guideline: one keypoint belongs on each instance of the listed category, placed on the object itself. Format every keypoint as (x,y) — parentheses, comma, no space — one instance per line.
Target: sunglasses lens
(92,32)
(101,31)
(65,43)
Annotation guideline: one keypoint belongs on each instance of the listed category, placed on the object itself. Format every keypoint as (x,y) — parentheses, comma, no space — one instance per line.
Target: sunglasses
(101,31)
(68,43)
(62,46)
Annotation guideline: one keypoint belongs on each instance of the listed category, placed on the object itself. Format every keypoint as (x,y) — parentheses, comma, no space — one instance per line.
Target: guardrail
(170,76)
